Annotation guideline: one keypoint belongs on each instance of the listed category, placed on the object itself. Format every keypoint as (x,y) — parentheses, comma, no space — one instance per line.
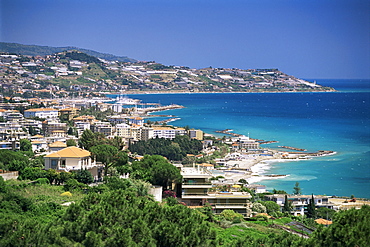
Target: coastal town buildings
(300,202)
(196,190)
(54,128)
(196,134)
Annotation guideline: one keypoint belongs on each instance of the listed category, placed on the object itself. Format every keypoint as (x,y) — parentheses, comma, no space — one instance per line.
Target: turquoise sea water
(338,121)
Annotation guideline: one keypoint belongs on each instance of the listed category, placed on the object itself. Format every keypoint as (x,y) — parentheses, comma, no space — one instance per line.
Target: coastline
(256,170)
(320,175)
(221,92)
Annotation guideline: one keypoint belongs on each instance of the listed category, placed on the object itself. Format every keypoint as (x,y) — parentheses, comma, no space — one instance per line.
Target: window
(54,164)
(63,164)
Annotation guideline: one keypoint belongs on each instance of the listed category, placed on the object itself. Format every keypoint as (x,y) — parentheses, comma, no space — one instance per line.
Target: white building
(46,113)
(300,202)
(123,130)
(72,159)
(167,132)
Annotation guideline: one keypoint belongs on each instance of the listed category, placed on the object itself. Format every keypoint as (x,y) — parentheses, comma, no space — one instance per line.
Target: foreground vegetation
(120,212)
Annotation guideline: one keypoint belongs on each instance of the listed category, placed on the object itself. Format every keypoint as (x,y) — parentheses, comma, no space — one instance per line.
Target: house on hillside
(72,159)
(300,202)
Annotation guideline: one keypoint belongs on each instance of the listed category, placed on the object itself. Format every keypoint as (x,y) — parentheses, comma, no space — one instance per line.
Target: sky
(321,39)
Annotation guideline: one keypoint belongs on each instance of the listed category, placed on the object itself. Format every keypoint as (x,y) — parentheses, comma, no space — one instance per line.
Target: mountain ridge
(69,71)
(39,50)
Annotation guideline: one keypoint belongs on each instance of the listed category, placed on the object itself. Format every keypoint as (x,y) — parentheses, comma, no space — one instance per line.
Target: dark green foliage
(3,187)
(271,207)
(32,173)
(120,215)
(119,219)
(8,156)
(71,142)
(175,149)
(274,191)
(287,205)
(14,202)
(73,184)
(350,228)
(156,170)
(25,145)
(84,176)
(83,57)
(311,208)
(325,213)
(88,139)
(110,156)
(296,189)
(17,165)
(243,181)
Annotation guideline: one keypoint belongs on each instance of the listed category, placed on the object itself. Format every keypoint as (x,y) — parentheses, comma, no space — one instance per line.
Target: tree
(117,142)
(350,228)
(271,207)
(279,191)
(71,142)
(32,131)
(156,170)
(105,154)
(89,139)
(243,181)
(84,176)
(32,173)
(296,189)
(25,145)
(287,205)
(258,207)
(325,213)
(311,208)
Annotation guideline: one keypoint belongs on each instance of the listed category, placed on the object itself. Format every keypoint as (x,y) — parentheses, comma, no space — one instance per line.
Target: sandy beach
(254,169)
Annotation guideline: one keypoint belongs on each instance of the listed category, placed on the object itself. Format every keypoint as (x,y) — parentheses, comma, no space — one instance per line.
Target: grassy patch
(44,192)
(255,230)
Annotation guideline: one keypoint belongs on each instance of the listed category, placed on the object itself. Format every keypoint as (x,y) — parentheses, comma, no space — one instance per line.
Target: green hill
(37,50)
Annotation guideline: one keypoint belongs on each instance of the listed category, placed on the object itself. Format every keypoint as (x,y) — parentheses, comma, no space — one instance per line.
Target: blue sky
(305,38)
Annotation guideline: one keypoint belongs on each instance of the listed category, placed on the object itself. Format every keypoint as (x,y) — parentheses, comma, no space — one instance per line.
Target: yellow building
(68,113)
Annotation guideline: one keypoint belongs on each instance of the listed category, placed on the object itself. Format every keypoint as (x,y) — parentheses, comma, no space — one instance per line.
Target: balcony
(230,205)
(196,185)
(195,196)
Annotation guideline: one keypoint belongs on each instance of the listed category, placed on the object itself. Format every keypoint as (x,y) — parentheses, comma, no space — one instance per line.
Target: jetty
(161,108)
(293,148)
(266,142)
(227,132)
(168,120)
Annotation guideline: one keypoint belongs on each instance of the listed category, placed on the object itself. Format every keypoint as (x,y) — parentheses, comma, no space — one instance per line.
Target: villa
(72,159)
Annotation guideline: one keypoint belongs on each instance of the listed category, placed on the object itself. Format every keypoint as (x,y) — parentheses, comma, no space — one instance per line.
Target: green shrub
(42,181)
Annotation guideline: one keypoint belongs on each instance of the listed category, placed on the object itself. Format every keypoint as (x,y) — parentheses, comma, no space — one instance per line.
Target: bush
(42,181)
(84,176)
(73,184)
(231,215)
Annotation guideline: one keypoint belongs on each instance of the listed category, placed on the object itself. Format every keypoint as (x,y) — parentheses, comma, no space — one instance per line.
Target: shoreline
(255,170)
(214,92)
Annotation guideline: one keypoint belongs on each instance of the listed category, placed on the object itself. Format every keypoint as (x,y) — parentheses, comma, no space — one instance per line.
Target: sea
(337,121)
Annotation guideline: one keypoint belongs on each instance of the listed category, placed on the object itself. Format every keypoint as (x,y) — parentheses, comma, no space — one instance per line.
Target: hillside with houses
(73,72)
